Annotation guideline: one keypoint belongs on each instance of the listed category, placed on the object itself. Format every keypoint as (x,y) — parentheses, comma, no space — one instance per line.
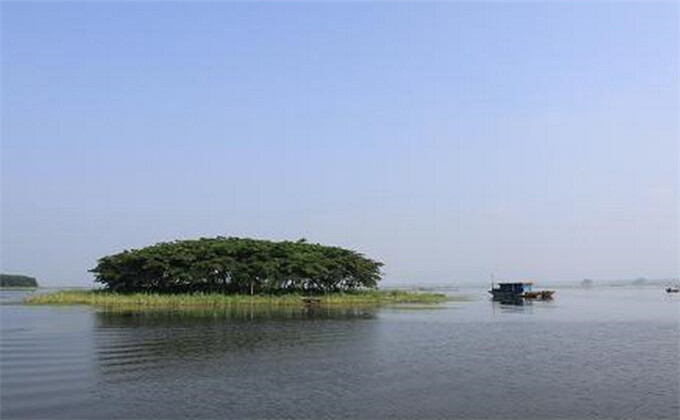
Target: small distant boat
(509,291)
(672,289)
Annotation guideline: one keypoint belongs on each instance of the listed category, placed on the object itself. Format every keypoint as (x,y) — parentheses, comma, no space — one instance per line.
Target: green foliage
(114,300)
(16,280)
(237,265)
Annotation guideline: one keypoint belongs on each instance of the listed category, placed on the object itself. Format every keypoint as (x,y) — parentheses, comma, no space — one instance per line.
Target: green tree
(17,280)
(238,265)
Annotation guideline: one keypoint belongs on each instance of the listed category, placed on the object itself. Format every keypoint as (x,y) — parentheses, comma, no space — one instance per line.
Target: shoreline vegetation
(236,272)
(109,299)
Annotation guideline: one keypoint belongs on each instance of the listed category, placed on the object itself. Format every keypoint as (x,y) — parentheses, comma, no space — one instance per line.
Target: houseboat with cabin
(515,291)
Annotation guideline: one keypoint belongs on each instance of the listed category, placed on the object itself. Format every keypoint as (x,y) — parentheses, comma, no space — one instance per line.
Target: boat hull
(538,295)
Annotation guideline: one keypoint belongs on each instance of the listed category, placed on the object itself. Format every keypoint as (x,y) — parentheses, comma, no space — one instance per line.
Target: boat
(672,289)
(521,290)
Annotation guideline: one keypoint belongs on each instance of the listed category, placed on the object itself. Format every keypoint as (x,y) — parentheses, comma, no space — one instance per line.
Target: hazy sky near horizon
(449,140)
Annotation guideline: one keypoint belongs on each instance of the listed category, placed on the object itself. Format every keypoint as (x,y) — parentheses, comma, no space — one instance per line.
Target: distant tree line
(237,265)
(16,280)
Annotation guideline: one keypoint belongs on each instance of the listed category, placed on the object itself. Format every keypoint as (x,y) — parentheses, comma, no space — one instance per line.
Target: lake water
(591,353)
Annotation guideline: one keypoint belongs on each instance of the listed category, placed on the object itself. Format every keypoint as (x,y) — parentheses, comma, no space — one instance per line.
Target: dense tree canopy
(237,265)
(16,280)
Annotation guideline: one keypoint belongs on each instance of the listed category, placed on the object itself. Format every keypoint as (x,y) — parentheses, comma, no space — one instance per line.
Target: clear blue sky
(449,140)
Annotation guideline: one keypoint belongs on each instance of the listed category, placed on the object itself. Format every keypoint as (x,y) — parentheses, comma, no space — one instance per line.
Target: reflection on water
(587,354)
(127,317)
(512,302)
(162,338)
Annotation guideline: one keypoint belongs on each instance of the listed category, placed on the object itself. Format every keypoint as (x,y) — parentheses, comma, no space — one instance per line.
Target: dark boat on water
(516,291)
(673,290)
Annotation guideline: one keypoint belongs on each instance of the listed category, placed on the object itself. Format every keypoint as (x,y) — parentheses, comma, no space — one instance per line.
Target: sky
(450,140)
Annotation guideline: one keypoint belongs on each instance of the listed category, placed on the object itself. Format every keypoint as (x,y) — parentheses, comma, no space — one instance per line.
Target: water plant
(104,298)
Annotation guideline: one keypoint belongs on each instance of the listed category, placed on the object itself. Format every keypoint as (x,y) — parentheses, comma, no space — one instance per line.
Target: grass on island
(103,298)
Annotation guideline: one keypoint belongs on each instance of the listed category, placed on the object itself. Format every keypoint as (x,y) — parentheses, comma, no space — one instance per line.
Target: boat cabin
(513,288)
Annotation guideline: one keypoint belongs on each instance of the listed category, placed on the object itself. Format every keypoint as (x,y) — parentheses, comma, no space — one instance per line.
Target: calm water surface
(596,353)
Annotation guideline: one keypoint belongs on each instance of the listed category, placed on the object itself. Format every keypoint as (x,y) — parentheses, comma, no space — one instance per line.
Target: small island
(17,281)
(221,271)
